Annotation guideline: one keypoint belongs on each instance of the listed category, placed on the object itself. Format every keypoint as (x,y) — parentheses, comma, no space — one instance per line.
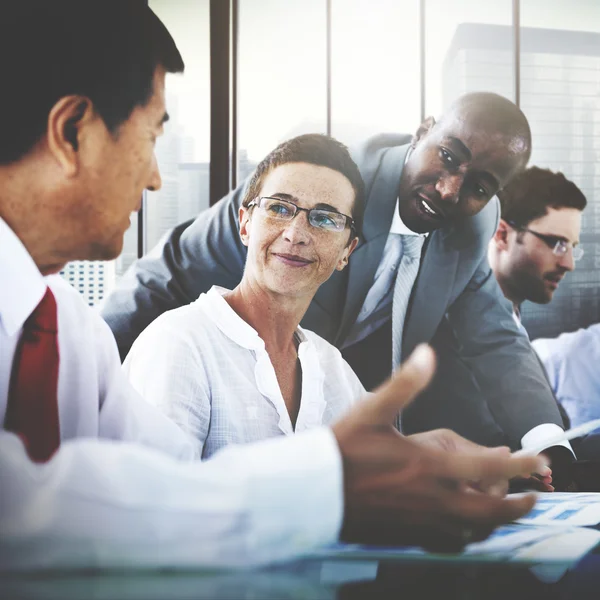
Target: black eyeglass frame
(349,220)
(552,241)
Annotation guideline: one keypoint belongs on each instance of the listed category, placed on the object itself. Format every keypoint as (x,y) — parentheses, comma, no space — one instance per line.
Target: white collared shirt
(379,297)
(209,371)
(102,503)
(94,399)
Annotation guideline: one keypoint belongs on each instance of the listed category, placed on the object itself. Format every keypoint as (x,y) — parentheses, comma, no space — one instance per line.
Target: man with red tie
(68,195)
(85,461)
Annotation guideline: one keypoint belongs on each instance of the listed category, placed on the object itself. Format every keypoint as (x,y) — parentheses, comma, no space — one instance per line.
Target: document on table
(560,509)
(519,543)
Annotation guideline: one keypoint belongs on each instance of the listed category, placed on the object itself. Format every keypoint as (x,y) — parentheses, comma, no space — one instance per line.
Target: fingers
(482,509)
(483,465)
(406,383)
(440,526)
(522,484)
(493,488)
(459,444)
(434,537)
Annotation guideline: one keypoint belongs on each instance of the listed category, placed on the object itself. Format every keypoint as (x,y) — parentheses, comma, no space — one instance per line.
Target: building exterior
(93,279)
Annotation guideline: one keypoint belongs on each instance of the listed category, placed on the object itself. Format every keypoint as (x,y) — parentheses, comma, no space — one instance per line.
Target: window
(375,68)
(468,48)
(282,75)
(375,86)
(560,94)
(183,151)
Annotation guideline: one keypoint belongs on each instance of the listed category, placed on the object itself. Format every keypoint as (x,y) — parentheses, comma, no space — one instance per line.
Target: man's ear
(66,120)
(348,250)
(424,128)
(244,218)
(501,235)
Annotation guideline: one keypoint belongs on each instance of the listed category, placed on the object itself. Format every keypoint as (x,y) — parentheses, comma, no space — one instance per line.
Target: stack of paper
(529,541)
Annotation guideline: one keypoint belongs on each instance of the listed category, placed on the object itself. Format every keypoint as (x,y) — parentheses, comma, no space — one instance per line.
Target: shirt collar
(22,285)
(398,225)
(231,324)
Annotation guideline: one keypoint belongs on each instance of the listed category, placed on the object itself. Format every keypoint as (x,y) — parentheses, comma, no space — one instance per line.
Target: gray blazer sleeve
(501,358)
(189,260)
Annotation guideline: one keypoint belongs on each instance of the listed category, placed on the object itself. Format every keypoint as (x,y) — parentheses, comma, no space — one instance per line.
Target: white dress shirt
(123,503)
(209,371)
(94,398)
(519,323)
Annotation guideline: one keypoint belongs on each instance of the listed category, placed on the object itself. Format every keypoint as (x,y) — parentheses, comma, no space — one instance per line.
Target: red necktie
(32,410)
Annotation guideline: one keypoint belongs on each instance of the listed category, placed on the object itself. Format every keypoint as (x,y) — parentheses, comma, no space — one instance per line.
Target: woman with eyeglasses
(235,366)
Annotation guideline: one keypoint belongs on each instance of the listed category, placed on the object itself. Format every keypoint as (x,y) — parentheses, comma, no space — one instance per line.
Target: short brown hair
(531,193)
(316,149)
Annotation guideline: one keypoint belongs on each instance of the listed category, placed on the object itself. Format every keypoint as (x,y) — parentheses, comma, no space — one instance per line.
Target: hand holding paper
(403,490)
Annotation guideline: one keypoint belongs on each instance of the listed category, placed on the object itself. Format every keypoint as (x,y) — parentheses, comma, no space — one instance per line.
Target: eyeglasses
(320,218)
(559,246)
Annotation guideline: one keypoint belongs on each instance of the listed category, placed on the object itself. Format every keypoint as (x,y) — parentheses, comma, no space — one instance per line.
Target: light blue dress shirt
(572,361)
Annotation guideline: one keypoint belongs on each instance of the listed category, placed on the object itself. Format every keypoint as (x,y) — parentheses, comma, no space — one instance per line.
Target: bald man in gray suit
(439,184)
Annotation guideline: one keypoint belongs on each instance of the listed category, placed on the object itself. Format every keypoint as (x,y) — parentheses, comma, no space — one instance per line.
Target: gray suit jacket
(455,293)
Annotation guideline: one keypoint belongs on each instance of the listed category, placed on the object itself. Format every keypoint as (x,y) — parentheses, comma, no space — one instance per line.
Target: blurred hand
(537,483)
(448,441)
(418,490)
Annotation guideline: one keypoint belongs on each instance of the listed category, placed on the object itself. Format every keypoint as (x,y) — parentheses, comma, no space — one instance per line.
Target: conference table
(315,580)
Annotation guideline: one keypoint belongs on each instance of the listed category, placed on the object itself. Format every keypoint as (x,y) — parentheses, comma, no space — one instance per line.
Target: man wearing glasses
(537,241)
(535,246)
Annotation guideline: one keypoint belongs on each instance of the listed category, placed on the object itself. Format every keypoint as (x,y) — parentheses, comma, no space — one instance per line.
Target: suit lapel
(380,205)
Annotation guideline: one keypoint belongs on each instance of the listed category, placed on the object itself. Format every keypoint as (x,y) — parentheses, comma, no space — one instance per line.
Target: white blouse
(209,371)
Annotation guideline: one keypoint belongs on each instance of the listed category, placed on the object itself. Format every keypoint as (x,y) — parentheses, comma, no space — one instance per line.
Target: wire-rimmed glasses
(320,218)
(558,245)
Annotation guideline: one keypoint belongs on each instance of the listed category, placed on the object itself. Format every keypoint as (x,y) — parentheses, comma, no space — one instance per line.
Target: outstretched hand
(448,441)
(407,491)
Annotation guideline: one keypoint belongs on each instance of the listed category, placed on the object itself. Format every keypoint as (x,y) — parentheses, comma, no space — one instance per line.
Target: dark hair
(107,51)
(531,193)
(315,149)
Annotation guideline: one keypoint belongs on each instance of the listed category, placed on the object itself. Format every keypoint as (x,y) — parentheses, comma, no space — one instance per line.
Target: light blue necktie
(405,280)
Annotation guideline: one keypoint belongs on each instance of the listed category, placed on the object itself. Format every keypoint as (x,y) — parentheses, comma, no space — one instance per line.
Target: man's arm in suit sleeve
(189,260)
(501,358)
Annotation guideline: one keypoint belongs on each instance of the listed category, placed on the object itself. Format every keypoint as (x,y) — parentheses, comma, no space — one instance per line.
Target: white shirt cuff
(297,493)
(535,437)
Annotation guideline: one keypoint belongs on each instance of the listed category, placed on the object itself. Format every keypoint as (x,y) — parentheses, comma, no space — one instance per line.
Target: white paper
(511,543)
(565,509)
